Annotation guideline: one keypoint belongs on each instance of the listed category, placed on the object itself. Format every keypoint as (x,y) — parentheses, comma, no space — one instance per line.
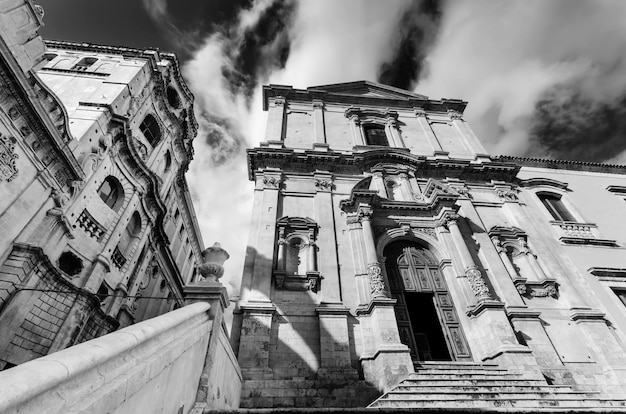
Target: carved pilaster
(477,283)
(376,281)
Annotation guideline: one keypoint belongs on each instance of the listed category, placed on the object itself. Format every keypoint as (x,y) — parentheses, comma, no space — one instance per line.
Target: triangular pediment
(367,89)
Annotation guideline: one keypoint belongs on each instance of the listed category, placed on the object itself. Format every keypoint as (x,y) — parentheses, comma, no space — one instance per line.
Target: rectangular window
(375,135)
(555,206)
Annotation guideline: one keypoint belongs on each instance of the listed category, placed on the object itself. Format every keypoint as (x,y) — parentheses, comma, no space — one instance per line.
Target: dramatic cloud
(417,31)
(541,77)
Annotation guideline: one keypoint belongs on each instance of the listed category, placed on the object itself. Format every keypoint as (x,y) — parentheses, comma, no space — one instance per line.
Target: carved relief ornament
(8,170)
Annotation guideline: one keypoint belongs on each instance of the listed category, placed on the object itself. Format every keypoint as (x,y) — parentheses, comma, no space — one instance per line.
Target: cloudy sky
(543,78)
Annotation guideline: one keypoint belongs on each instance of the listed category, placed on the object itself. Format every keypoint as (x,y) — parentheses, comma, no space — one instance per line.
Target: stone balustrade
(152,366)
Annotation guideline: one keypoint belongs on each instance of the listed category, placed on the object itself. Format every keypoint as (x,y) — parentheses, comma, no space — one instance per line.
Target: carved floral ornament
(271,181)
(507,194)
(323,183)
(8,170)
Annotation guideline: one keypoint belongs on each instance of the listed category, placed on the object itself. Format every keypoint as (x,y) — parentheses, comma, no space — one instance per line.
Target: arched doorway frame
(460,350)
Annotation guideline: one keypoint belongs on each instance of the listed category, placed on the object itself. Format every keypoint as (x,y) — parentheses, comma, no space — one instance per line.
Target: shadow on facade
(301,353)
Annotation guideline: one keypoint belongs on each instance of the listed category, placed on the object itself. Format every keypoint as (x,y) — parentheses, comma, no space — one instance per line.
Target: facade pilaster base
(254,351)
(492,338)
(336,361)
(386,360)
(386,367)
(606,348)
(516,358)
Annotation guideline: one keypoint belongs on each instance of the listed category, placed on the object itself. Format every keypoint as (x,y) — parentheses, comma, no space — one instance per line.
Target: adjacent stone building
(97,228)
(386,240)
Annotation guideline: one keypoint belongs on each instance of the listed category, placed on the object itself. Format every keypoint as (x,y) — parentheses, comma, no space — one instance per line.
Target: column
(490,333)
(266,233)
(384,359)
(405,187)
(472,272)
(319,130)
(326,241)
(420,113)
(276,119)
(378,183)
(353,115)
(394,132)
(374,272)
(471,140)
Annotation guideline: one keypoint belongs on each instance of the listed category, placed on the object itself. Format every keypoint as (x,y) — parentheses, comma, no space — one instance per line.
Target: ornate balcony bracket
(542,289)
(299,283)
(580,233)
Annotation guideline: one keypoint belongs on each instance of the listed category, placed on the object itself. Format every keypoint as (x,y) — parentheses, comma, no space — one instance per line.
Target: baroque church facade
(391,263)
(97,226)
(387,244)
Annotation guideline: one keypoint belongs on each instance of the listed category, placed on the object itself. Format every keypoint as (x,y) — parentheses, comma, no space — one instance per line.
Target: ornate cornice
(358,162)
(562,164)
(40,119)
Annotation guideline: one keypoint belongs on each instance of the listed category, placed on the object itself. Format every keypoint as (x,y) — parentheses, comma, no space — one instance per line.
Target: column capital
(449,219)
(455,115)
(419,111)
(323,183)
(272,181)
(365,213)
(318,104)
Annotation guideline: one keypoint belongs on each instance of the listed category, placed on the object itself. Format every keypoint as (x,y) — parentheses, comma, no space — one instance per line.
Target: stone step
(442,382)
(485,395)
(455,365)
(473,370)
(422,388)
(468,376)
(486,404)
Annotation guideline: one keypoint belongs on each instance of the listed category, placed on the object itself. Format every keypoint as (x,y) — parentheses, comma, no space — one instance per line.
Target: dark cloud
(264,47)
(417,32)
(566,124)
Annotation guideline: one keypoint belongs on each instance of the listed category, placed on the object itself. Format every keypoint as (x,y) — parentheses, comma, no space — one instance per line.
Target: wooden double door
(427,320)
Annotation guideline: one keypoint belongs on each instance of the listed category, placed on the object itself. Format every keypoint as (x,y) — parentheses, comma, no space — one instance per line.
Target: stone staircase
(473,386)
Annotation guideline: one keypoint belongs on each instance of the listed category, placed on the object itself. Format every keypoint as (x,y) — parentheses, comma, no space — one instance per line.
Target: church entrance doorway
(427,321)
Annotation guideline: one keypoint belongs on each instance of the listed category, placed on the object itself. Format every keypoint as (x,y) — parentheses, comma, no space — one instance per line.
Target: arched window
(70,264)
(130,234)
(150,129)
(555,207)
(112,193)
(84,63)
(375,135)
(173,98)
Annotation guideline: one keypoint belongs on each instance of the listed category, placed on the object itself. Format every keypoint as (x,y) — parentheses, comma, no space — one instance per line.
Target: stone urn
(213,259)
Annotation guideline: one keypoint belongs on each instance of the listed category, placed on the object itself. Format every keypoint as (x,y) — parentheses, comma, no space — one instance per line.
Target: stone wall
(153,366)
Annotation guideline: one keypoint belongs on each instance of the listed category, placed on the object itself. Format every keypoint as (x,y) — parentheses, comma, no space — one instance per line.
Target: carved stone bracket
(298,283)
(545,288)
(477,283)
